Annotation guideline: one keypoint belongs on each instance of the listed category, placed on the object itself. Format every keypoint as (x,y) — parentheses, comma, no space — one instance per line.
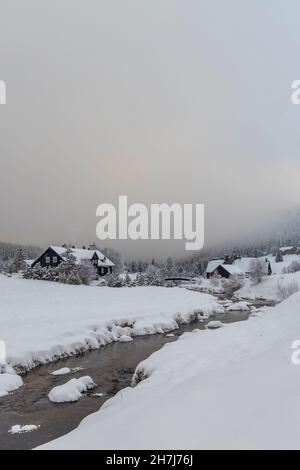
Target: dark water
(111,367)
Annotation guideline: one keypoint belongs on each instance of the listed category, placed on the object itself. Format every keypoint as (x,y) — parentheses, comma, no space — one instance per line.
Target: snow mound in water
(63,371)
(66,371)
(23,429)
(125,339)
(238,307)
(9,383)
(71,391)
(214,325)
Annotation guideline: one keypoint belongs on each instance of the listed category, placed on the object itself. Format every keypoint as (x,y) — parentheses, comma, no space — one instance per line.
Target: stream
(111,367)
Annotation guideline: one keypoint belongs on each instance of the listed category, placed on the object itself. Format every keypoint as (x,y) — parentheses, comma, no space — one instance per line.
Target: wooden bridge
(181,278)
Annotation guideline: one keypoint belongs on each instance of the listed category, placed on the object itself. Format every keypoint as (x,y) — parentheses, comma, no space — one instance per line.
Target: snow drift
(9,383)
(71,391)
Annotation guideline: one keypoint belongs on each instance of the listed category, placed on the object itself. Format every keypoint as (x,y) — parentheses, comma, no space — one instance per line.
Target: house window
(54,259)
(47,259)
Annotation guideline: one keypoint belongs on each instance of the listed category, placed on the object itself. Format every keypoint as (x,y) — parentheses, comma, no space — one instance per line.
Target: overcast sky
(161,100)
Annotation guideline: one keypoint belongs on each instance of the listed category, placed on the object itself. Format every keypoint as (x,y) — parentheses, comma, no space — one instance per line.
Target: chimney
(227,259)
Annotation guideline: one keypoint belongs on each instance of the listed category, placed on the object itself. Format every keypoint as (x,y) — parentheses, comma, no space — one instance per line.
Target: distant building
(213,266)
(234,266)
(227,270)
(54,255)
(288,250)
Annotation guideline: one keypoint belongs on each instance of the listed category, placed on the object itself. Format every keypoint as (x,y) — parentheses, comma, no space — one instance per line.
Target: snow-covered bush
(17,264)
(128,281)
(215,281)
(140,280)
(42,274)
(257,271)
(152,277)
(294,267)
(67,273)
(286,290)
(231,285)
(87,273)
(113,280)
(169,268)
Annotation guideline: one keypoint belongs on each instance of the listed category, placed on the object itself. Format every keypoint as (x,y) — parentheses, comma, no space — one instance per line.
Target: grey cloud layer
(163,101)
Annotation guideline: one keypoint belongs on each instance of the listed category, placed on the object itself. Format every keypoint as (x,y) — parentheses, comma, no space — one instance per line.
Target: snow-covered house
(288,250)
(235,267)
(54,255)
(218,267)
(212,266)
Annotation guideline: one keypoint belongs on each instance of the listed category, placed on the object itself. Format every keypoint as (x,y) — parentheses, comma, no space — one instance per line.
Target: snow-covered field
(287,260)
(269,288)
(42,321)
(235,387)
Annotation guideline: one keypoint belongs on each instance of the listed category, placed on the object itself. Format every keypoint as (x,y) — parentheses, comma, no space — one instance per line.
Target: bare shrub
(285,291)
(294,267)
(215,281)
(231,285)
(257,271)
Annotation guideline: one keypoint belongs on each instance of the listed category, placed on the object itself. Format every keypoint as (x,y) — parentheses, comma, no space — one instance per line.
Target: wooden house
(54,255)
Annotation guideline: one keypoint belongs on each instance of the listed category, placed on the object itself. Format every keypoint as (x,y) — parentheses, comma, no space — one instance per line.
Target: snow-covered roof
(81,254)
(60,250)
(244,264)
(213,265)
(238,266)
(232,269)
(287,248)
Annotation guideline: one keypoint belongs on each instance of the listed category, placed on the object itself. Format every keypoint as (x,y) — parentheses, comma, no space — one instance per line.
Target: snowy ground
(269,287)
(278,268)
(42,321)
(235,387)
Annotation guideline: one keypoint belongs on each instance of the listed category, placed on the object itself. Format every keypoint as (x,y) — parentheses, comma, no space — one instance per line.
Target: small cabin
(235,266)
(226,271)
(53,256)
(288,250)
